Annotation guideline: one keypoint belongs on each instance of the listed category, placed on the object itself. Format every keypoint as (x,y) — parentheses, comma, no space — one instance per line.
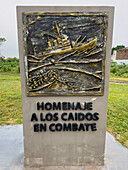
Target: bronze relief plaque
(64,53)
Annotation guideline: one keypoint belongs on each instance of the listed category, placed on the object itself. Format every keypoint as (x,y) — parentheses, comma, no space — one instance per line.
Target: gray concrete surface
(12,153)
(77,149)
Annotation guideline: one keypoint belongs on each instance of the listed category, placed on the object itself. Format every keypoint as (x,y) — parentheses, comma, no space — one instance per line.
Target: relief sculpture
(64,53)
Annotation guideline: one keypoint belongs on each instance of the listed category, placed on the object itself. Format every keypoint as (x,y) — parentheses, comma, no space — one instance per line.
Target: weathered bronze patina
(64,53)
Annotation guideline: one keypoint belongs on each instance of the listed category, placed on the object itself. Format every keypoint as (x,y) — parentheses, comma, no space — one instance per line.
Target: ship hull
(87,46)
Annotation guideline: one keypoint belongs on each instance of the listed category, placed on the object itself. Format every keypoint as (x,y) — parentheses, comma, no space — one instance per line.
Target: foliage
(2,39)
(12,64)
(9,59)
(9,64)
(119,70)
(2,59)
(117,48)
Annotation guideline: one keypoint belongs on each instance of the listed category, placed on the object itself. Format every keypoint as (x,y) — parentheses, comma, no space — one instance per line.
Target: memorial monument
(65,55)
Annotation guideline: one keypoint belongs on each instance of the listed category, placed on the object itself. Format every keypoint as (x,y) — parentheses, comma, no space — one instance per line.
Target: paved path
(12,153)
(116,82)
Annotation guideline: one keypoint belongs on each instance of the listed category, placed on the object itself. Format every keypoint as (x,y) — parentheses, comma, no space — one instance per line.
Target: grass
(117,122)
(11,111)
(10,98)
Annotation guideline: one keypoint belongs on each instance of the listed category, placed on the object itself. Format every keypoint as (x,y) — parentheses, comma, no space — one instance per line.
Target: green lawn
(10,98)
(117,122)
(11,109)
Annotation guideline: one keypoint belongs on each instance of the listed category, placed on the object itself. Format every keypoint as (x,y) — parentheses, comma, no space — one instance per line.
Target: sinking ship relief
(60,45)
(57,57)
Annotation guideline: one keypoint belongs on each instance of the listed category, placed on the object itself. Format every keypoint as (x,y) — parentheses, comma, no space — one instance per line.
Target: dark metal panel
(64,52)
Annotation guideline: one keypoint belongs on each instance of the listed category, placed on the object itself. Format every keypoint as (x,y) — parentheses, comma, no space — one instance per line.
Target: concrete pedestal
(62,148)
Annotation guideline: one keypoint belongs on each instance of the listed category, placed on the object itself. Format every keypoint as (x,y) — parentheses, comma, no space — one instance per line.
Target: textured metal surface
(64,53)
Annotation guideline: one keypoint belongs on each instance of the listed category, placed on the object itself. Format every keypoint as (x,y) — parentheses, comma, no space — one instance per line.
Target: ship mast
(57,28)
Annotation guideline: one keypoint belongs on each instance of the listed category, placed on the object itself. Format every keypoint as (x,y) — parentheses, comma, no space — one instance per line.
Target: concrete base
(12,153)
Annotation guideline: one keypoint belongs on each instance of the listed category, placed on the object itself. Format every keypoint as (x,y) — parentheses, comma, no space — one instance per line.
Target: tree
(1,41)
(117,48)
(2,59)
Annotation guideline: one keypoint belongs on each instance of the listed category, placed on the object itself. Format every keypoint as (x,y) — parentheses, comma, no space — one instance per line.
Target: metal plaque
(64,53)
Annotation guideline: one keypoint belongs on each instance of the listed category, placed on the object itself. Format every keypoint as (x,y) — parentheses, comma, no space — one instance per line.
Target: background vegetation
(12,65)
(119,70)
(117,48)
(9,64)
